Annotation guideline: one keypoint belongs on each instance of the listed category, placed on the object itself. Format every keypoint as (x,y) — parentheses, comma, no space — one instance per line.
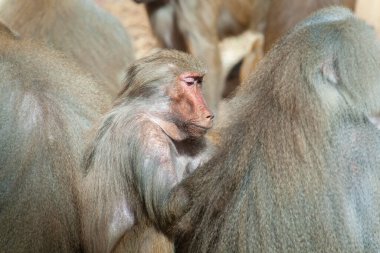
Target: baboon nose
(209,120)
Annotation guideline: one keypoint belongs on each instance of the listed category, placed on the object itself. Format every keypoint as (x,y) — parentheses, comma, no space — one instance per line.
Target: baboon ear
(329,71)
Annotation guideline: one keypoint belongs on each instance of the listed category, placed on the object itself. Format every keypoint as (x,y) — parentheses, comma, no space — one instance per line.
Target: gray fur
(298,170)
(80,29)
(46,106)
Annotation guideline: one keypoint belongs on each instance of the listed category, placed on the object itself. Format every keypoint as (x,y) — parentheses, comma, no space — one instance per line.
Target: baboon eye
(190,81)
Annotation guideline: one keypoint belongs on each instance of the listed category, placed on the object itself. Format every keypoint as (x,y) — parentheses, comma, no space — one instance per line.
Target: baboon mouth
(202,127)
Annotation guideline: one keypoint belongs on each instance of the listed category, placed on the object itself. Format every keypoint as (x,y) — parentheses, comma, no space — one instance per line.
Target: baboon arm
(106,215)
(156,173)
(122,219)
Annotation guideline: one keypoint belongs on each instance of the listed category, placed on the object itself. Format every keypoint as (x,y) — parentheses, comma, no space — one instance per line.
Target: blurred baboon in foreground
(299,168)
(284,14)
(149,141)
(46,104)
(80,29)
(196,26)
(135,20)
(6,32)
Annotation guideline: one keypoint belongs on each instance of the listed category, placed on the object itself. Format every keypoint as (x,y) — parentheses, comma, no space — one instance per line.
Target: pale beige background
(369,10)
